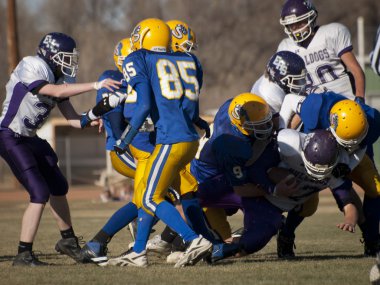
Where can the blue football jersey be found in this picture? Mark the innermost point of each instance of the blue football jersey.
(169, 84)
(113, 120)
(226, 151)
(315, 114)
(144, 141)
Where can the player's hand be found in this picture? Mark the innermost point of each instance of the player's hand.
(286, 187)
(85, 120)
(107, 83)
(341, 170)
(203, 125)
(346, 227)
(120, 147)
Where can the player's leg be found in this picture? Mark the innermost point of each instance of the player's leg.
(286, 235)
(191, 207)
(21, 160)
(367, 177)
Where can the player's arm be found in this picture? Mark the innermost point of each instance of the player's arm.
(289, 109)
(68, 90)
(353, 65)
(143, 107)
(68, 111)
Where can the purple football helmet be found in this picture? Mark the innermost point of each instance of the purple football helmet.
(295, 11)
(288, 70)
(320, 153)
(59, 51)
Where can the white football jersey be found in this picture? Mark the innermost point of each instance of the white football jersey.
(23, 112)
(290, 144)
(322, 58)
(270, 92)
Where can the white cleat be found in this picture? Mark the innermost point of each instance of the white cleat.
(197, 250)
(156, 244)
(130, 258)
(174, 257)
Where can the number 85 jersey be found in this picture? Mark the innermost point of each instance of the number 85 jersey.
(169, 83)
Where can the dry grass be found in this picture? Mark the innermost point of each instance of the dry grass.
(325, 255)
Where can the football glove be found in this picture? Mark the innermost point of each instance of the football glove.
(85, 120)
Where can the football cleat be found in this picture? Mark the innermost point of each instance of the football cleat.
(238, 233)
(130, 258)
(197, 249)
(174, 257)
(223, 250)
(371, 248)
(285, 246)
(156, 244)
(70, 247)
(94, 252)
(27, 258)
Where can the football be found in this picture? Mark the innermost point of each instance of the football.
(374, 275)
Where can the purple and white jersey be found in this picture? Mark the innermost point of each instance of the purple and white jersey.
(322, 58)
(24, 112)
(290, 144)
(270, 92)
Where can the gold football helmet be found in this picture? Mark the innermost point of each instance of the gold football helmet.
(183, 37)
(122, 50)
(151, 34)
(348, 123)
(251, 115)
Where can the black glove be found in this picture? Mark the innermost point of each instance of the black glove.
(203, 125)
(341, 170)
(359, 100)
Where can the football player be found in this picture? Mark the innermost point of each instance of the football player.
(375, 54)
(167, 87)
(326, 49)
(285, 73)
(36, 86)
(356, 127)
(309, 161)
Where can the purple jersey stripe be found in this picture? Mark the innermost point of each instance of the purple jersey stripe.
(19, 92)
(349, 48)
(36, 84)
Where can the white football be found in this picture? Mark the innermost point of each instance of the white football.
(374, 275)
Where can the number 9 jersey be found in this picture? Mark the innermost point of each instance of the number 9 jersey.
(169, 83)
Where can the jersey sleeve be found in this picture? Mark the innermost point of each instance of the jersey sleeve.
(340, 38)
(33, 74)
(289, 143)
(134, 69)
(375, 54)
(289, 108)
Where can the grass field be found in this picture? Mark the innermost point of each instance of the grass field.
(325, 255)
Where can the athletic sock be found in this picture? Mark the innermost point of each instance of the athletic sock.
(120, 219)
(171, 217)
(24, 246)
(69, 233)
(144, 226)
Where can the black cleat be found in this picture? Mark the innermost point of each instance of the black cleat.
(285, 246)
(94, 252)
(70, 247)
(371, 248)
(27, 258)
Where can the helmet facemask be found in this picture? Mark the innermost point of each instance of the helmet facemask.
(305, 31)
(67, 61)
(318, 171)
(295, 83)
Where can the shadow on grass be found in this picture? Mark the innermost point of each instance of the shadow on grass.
(273, 258)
